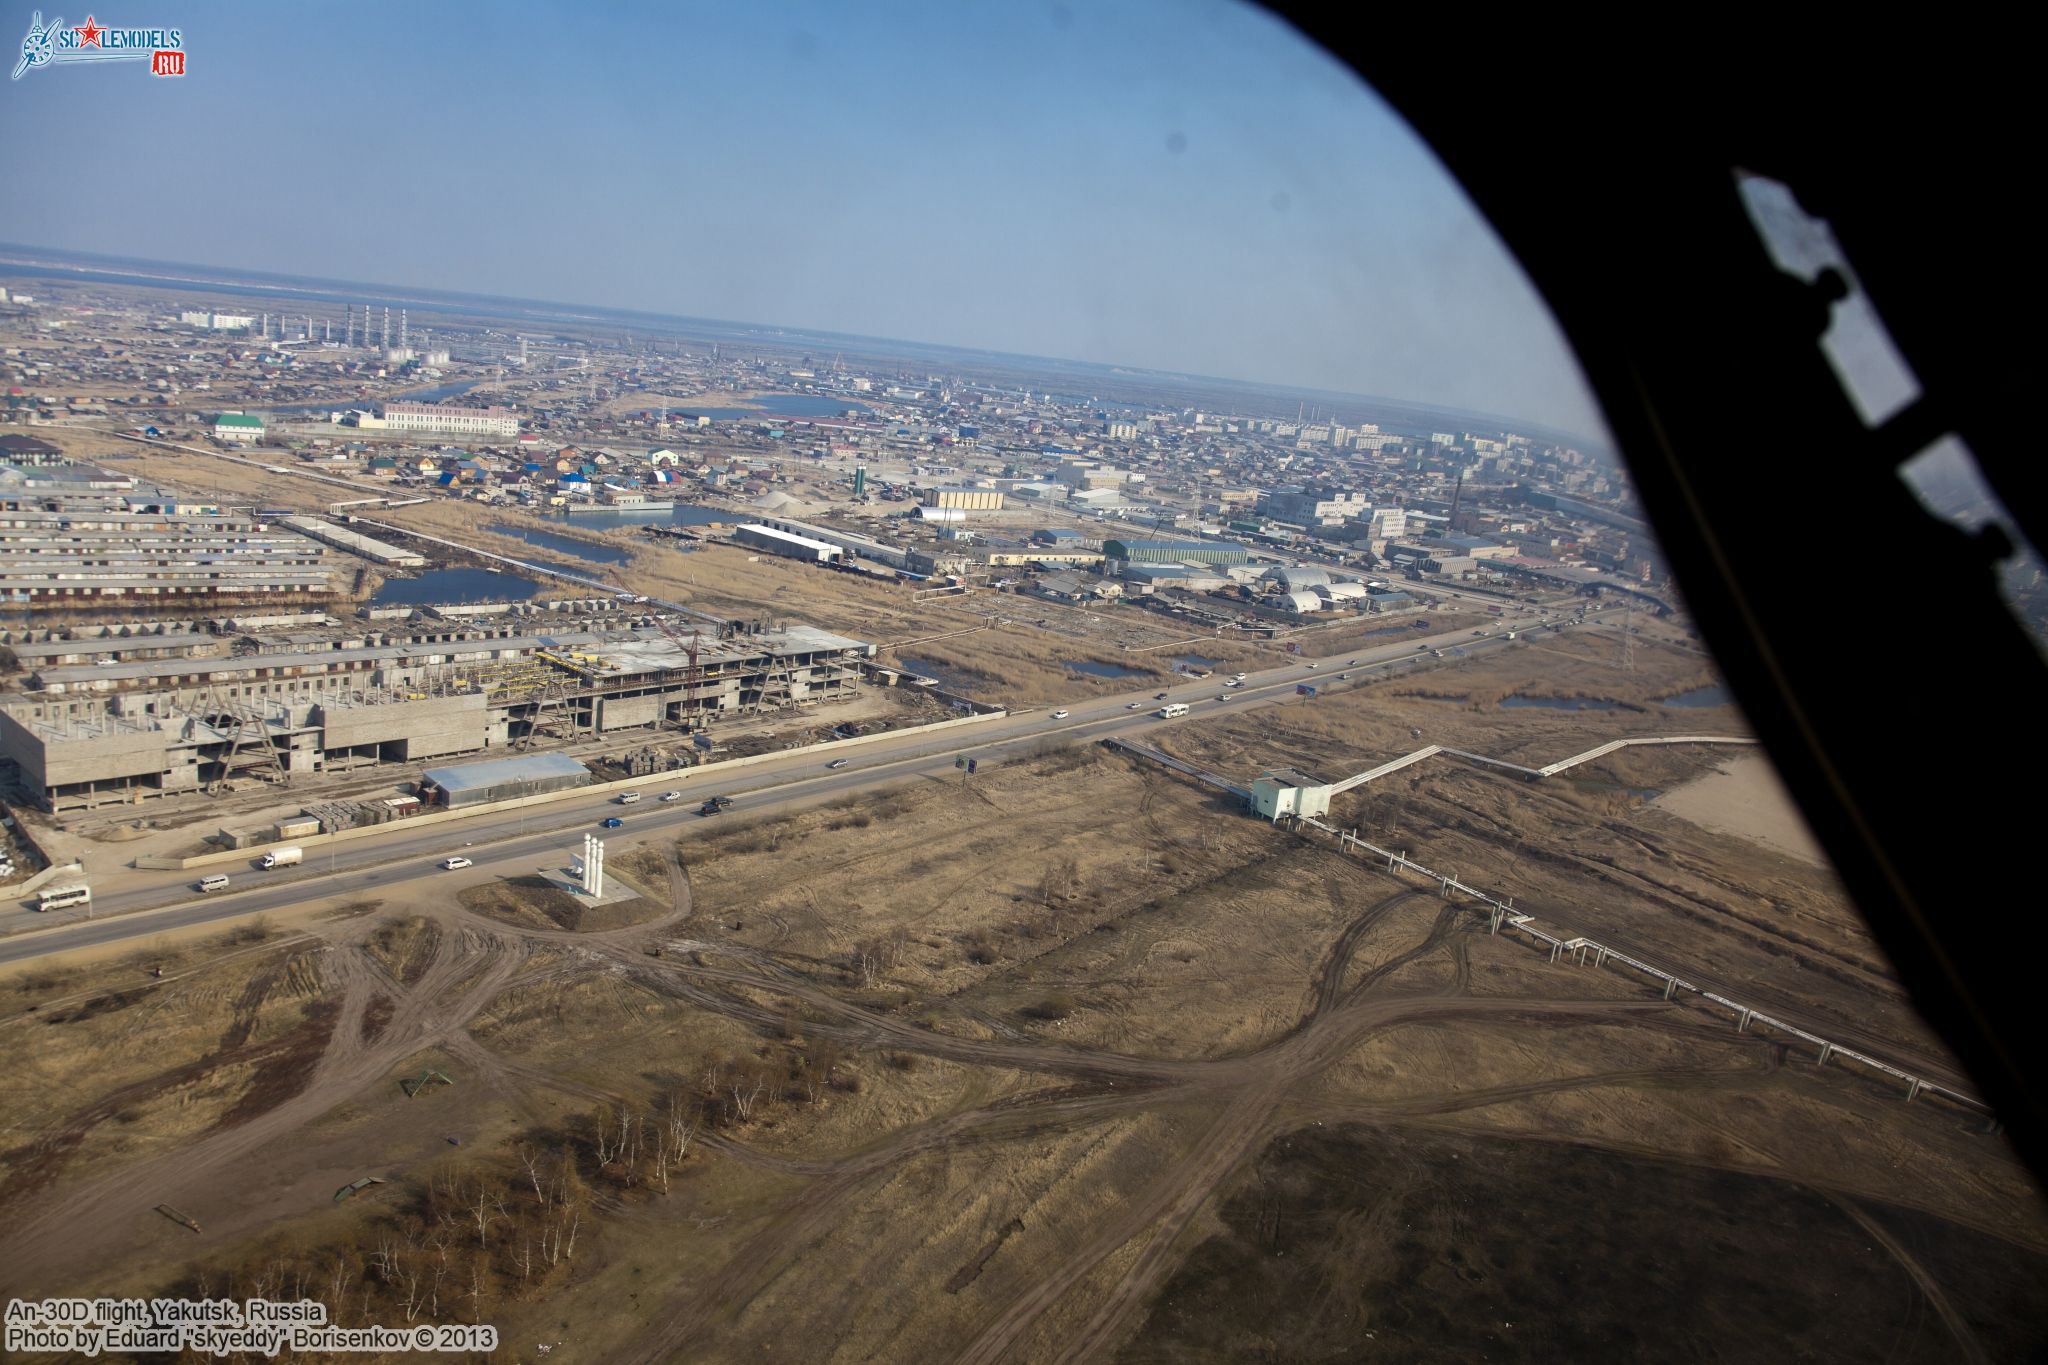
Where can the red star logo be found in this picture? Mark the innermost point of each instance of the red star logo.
(88, 33)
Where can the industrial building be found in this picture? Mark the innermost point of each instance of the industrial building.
(1297, 577)
(85, 555)
(501, 779)
(1211, 552)
(376, 551)
(272, 715)
(449, 420)
(99, 650)
(786, 544)
(895, 556)
(965, 499)
(1184, 577)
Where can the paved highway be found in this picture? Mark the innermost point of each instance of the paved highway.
(513, 842)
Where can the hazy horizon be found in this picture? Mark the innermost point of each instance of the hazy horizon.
(1192, 189)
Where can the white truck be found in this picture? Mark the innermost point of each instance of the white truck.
(282, 857)
(1172, 709)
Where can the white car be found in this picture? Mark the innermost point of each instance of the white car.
(1315, 665)
(1061, 714)
(451, 864)
(1131, 706)
(836, 763)
(671, 796)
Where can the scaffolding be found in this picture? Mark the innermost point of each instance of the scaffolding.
(242, 722)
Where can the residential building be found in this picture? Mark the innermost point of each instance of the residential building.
(447, 419)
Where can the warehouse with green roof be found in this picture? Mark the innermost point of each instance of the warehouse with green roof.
(237, 426)
(1211, 552)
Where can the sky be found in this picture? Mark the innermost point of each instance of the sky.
(1183, 185)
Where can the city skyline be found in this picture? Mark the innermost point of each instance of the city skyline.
(1191, 189)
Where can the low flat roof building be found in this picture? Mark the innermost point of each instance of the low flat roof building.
(501, 779)
(786, 544)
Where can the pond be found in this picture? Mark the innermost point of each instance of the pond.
(454, 586)
(1102, 670)
(948, 678)
(433, 395)
(585, 550)
(1562, 703)
(1714, 694)
(682, 514)
(440, 392)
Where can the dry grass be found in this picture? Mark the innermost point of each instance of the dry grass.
(111, 1063)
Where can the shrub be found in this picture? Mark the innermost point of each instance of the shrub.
(1053, 1007)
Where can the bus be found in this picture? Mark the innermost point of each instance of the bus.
(64, 897)
(1172, 709)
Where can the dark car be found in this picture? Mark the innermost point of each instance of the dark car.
(613, 822)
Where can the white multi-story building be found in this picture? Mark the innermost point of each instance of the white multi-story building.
(452, 421)
(218, 322)
(1314, 509)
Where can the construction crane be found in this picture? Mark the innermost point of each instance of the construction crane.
(693, 674)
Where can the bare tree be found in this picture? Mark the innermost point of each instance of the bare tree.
(531, 1160)
(338, 1277)
(482, 1208)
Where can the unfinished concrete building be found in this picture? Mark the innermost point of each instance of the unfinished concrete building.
(82, 740)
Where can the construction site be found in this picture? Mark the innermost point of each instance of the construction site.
(273, 709)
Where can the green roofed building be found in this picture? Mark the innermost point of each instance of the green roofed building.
(1211, 552)
(236, 426)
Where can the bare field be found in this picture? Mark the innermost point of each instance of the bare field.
(1744, 797)
(1074, 1060)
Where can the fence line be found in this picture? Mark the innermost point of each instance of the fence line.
(1502, 914)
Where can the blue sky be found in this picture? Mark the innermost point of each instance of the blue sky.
(1175, 184)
